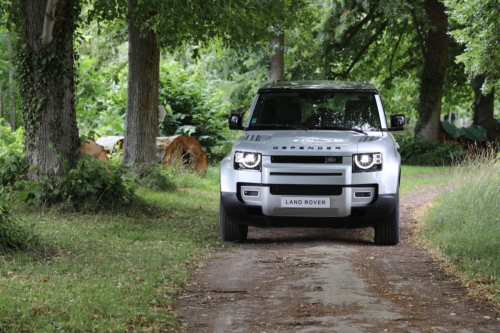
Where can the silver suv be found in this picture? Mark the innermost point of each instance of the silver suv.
(313, 154)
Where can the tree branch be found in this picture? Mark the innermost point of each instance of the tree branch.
(419, 33)
(396, 48)
(372, 39)
(49, 21)
(355, 29)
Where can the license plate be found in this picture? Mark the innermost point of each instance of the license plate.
(305, 202)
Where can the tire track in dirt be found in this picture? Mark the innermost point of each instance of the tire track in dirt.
(321, 280)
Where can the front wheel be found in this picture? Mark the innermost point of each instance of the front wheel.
(387, 233)
(231, 231)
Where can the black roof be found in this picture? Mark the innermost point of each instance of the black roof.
(327, 85)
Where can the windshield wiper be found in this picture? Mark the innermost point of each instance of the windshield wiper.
(340, 128)
(281, 126)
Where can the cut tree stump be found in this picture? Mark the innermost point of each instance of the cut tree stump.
(182, 151)
(90, 147)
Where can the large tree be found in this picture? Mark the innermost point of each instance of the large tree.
(170, 24)
(478, 31)
(434, 48)
(141, 122)
(388, 42)
(45, 75)
(483, 107)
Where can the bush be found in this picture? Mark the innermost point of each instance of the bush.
(88, 184)
(420, 152)
(12, 161)
(12, 167)
(14, 237)
(192, 108)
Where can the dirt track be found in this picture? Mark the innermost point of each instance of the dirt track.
(317, 280)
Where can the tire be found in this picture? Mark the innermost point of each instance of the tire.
(231, 231)
(387, 233)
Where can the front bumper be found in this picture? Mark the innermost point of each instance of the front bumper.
(358, 217)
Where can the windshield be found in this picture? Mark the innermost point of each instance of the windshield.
(316, 109)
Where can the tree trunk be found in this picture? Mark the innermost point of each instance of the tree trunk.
(277, 57)
(12, 105)
(432, 81)
(484, 112)
(141, 122)
(45, 75)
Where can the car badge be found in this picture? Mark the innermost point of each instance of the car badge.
(330, 159)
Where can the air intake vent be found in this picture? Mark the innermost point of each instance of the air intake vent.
(291, 189)
(369, 138)
(307, 159)
(257, 137)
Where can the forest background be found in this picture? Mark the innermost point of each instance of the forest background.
(88, 247)
(427, 58)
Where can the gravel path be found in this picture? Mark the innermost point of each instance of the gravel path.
(320, 280)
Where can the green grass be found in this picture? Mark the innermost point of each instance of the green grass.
(413, 177)
(465, 224)
(111, 272)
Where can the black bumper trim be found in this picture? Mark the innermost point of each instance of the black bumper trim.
(367, 216)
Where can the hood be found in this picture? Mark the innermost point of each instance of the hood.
(300, 142)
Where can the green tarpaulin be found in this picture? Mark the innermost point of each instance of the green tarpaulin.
(472, 133)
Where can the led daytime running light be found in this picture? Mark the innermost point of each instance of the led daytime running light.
(364, 161)
(249, 160)
(367, 161)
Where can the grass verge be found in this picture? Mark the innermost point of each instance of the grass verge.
(413, 177)
(463, 226)
(111, 272)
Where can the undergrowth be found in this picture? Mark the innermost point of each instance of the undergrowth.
(464, 224)
(420, 152)
(13, 235)
(111, 271)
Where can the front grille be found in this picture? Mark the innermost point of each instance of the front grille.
(307, 159)
(284, 189)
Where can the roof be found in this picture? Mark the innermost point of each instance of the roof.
(328, 85)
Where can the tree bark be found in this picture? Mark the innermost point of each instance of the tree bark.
(141, 121)
(484, 112)
(432, 80)
(277, 57)
(46, 84)
(12, 104)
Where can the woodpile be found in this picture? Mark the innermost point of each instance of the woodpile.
(180, 151)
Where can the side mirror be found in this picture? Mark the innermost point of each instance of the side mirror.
(235, 121)
(397, 122)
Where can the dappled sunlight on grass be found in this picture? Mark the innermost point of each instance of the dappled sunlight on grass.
(109, 271)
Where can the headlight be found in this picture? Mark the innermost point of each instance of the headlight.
(247, 161)
(367, 162)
